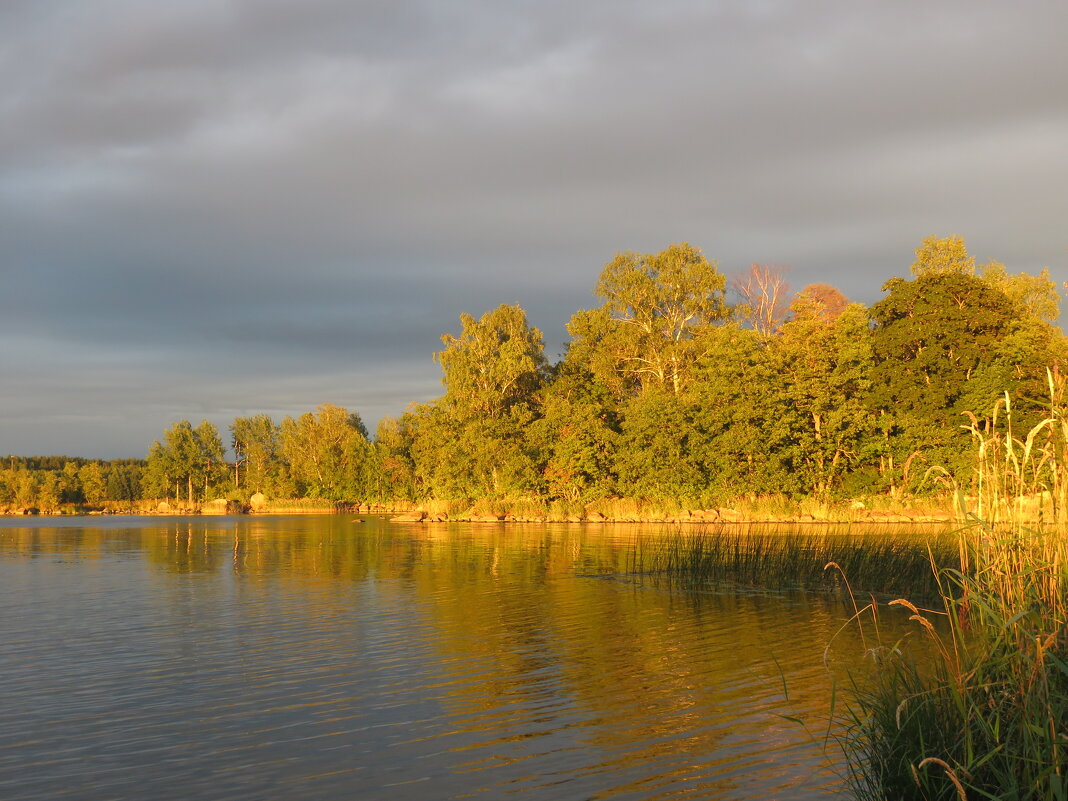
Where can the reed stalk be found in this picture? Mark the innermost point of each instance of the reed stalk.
(976, 707)
(781, 557)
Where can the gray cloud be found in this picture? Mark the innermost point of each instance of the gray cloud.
(265, 205)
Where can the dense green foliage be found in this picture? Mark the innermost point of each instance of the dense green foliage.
(47, 482)
(666, 393)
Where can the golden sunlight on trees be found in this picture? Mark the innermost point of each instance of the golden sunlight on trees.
(824, 363)
(187, 455)
(1036, 294)
(656, 307)
(764, 294)
(91, 477)
(468, 443)
(821, 301)
(660, 398)
(495, 362)
(256, 450)
(942, 255)
(324, 450)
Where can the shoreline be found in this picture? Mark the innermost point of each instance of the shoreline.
(1032, 509)
(691, 517)
(424, 517)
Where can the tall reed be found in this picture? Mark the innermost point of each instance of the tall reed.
(977, 706)
(780, 556)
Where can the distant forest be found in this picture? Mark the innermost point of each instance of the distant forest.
(667, 392)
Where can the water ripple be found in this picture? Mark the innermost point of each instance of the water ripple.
(300, 658)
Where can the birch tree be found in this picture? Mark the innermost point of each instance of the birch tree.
(655, 308)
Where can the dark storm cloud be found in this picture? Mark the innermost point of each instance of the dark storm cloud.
(217, 208)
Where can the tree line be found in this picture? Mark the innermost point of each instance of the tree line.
(50, 482)
(322, 454)
(668, 392)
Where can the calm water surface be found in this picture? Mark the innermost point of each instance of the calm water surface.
(323, 658)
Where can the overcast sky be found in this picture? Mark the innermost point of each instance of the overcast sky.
(212, 208)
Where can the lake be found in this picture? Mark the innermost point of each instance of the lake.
(321, 657)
